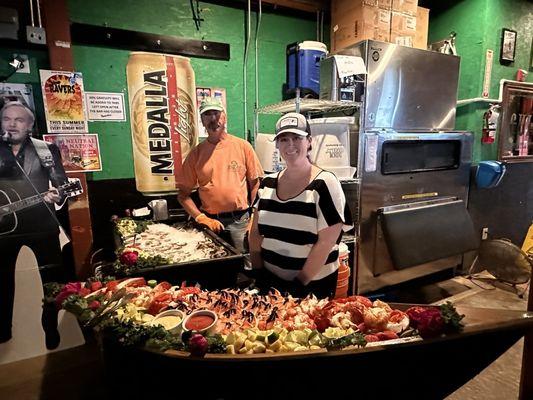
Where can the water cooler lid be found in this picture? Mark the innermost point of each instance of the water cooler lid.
(312, 45)
(489, 173)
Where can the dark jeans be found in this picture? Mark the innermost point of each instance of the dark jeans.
(321, 288)
(235, 228)
(48, 254)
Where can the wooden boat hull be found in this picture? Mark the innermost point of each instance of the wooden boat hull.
(428, 369)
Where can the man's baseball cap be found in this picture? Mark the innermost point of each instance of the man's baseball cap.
(210, 103)
(293, 123)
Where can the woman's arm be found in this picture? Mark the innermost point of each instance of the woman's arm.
(318, 255)
(255, 241)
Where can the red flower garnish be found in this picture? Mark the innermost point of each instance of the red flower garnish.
(129, 258)
(94, 305)
(68, 289)
(97, 285)
(427, 320)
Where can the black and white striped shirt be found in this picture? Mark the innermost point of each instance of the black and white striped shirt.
(290, 227)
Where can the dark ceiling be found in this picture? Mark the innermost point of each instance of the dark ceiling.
(437, 6)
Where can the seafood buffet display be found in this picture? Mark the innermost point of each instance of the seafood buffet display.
(145, 244)
(246, 322)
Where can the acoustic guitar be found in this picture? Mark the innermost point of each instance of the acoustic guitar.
(10, 203)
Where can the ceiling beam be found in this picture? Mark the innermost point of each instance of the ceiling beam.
(292, 8)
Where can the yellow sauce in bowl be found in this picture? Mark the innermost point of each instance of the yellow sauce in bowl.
(168, 321)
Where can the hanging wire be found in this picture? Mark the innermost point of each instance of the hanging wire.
(317, 25)
(200, 19)
(39, 14)
(256, 114)
(31, 13)
(196, 14)
(248, 29)
(322, 26)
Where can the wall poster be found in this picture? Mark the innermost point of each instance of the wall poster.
(103, 106)
(79, 152)
(64, 103)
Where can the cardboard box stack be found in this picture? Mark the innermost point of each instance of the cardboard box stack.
(392, 21)
(403, 22)
(422, 28)
(356, 20)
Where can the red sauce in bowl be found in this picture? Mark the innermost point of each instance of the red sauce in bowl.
(199, 322)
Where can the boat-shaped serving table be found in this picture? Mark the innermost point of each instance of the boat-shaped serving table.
(416, 369)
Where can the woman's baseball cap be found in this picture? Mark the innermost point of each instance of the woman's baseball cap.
(209, 103)
(293, 123)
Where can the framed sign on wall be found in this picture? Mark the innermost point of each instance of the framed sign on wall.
(508, 47)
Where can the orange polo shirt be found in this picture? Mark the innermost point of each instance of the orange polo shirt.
(221, 173)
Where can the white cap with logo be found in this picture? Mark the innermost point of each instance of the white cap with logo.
(292, 123)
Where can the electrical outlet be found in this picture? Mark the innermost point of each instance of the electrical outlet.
(484, 233)
(25, 62)
(34, 34)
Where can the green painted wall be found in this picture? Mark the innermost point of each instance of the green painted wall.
(105, 69)
(479, 24)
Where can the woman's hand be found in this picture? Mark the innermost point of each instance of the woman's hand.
(327, 238)
(255, 240)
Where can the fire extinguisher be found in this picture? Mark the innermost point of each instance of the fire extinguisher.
(490, 123)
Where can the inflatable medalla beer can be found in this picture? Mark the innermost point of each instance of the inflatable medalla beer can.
(162, 95)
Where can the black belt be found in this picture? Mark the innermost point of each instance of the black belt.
(230, 214)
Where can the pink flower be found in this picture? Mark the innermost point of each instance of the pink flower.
(427, 320)
(94, 305)
(432, 324)
(129, 257)
(68, 289)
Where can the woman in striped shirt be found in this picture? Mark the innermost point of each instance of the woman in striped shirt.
(299, 216)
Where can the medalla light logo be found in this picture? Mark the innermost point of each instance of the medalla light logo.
(159, 143)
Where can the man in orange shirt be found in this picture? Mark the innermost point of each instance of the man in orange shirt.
(226, 171)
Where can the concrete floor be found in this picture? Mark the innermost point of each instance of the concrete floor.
(501, 379)
(76, 373)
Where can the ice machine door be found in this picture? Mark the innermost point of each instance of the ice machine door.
(421, 232)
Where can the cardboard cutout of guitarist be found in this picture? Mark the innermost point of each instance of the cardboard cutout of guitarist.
(27, 167)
